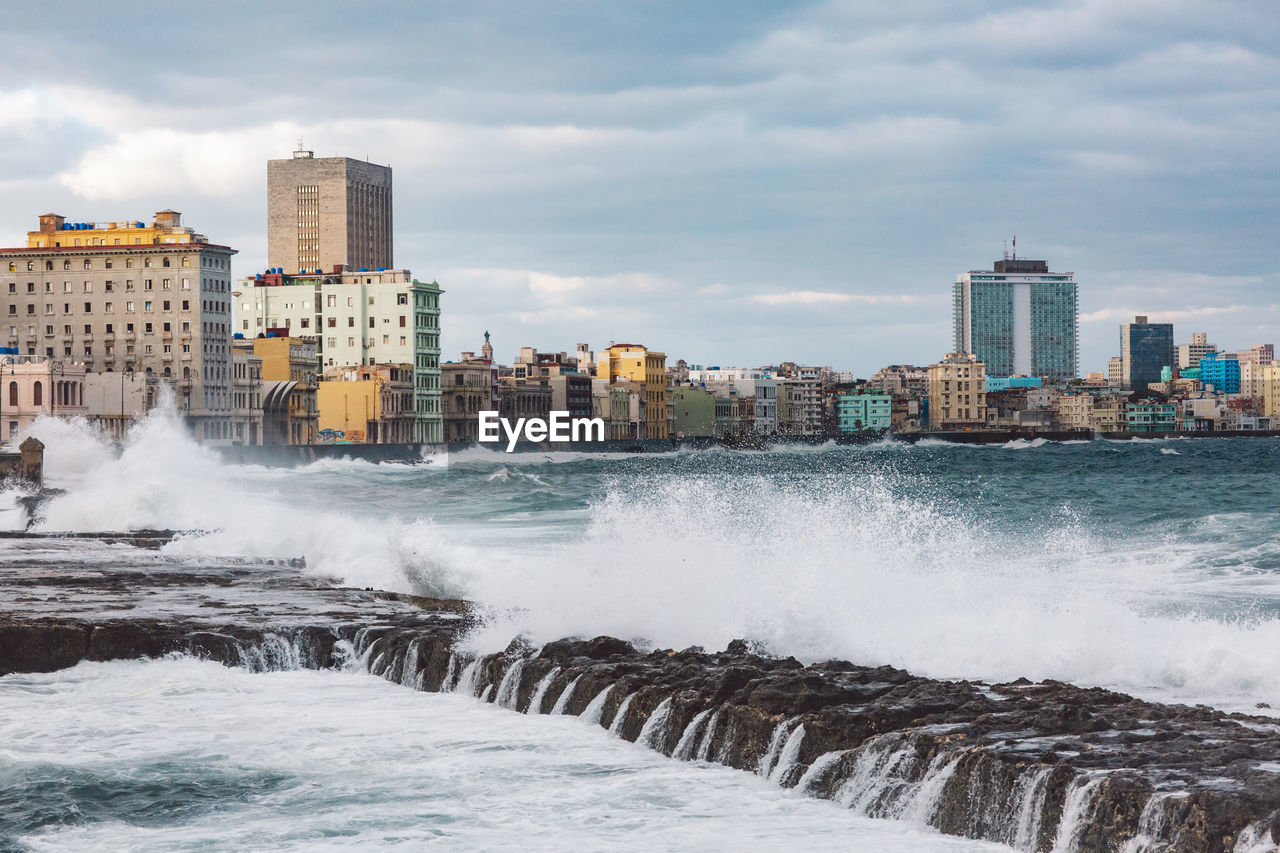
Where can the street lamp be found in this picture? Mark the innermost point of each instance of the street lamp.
(6, 361)
(128, 371)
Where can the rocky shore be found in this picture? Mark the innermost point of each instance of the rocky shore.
(1040, 767)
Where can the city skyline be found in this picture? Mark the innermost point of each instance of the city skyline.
(730, 185)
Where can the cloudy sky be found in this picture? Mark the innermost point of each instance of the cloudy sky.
(732, 182)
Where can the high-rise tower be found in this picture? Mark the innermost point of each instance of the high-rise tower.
(1020, 319)
(327, 212)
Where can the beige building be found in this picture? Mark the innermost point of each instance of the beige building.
(120, 296)
(246, 396)
(1075, 411)
(612, 404)
(470, 387)
(31, 386)
(1271, 391)
(957, 393)
(327, 212)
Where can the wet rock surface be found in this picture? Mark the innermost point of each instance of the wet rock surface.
(1041, 767)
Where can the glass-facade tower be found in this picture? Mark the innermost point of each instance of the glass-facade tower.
(1145, 350)
(1020, 319)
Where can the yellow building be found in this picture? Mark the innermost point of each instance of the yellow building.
(367, 405)
(634, 363)
(957, 393)
(1271, 391)
(289, 366)
(165, 229)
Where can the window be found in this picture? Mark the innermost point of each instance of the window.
(351, 342)
(186, 305)
(168, 327)
(128, 306)
(147, 305)
(186, 284)
(186, 262)
(186, 327)
(88, 308)
(331, 301)
(109, 329)
(108, 308)
(86, 263)
(110, 286)
(88, 287)
(88, 330)
(128, 262)
(306, 323)
(351, 322)
(351, 302)
(108, 263)
(31, 287)
(167, 304)
(402, 299)
(146, 285)
(31, 265)
(333, 342)
(147, 328)
(167, 284)
(371, 322)
(146, 262)
(165, 262)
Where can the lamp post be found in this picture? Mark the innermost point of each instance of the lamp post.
(127, 372)
(6, 361)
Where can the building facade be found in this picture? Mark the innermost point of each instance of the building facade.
(957, 393)
(470, 387)
(357, 319)
(635, 363)
(1019, 319)
(1189, 355)
(1145, 349)
(290, 414)
(865, 412)
(34, 385)
(326, 212)
(366, 405)
(1220, 373)
(121, 296)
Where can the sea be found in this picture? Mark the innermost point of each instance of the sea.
(1149, 567)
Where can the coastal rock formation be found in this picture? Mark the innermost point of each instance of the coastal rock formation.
(1040, 767)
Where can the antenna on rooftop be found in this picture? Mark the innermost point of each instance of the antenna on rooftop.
(1015, 247)
(1006, 250)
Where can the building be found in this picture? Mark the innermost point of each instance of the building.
(115, 401)
(121, 296)
(246, 396)
(1145, 348)
(612, 404)
(1271, 391)
(518, 400)
(635, 363)
(1220, 373)
(366, 405)
(470, 387)
(694, 412)
(1004, 383)
(957, 392)
(570, 392)
(1259, 354)
(1075, 411)
(357, 319)
(35, 385)
(799, 405)
(290, 414)
(1189, 355)
(1019, 319)
(327, 212)
(1146, 416)
(863, 412)
(902, 379)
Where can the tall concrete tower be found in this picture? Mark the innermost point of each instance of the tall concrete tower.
(325, 212)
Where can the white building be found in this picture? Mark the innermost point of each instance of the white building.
(358, 318)
(1189, 355)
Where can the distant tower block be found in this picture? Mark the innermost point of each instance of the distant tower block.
(328, 212)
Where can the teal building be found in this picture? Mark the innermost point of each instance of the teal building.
(863, 412)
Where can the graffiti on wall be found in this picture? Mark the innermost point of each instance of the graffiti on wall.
(337, 436)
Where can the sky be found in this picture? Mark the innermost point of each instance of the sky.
(733, 183)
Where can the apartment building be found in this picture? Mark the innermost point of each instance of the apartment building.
(957, 392)
(119, 296)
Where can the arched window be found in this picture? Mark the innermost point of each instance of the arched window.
(66, 265)
(37, 394)
(48, 265)
(31, 265)
(13, 393)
